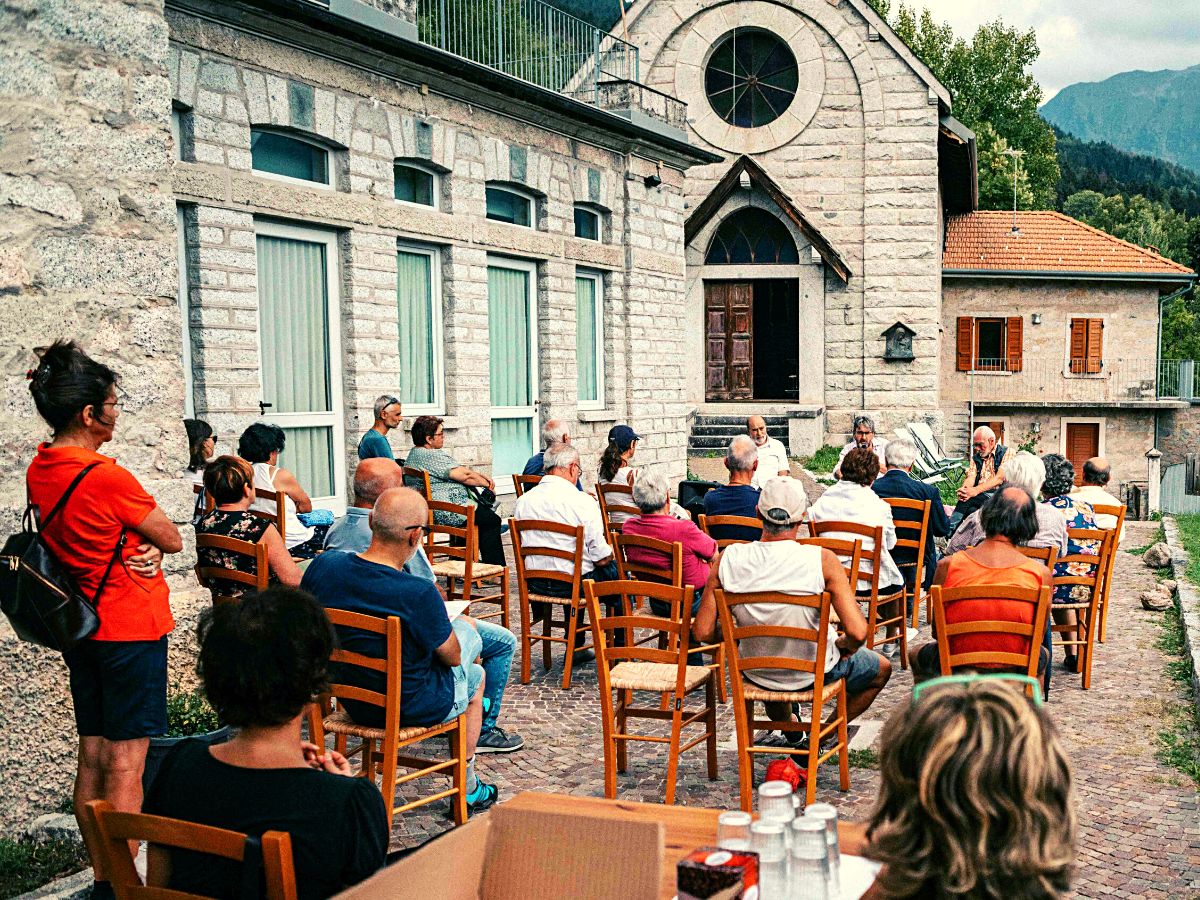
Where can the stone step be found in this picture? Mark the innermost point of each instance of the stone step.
(740, 421)
(775, 431)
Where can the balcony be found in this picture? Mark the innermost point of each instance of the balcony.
(1132, 383)
(542, 45)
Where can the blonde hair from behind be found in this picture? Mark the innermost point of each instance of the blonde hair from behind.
(976, 798)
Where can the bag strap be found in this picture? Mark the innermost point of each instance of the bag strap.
(250, 883)
(62, 501)
(108, 571)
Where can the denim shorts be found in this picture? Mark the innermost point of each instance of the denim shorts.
(469, 675)
(119, 688)
(859, 670)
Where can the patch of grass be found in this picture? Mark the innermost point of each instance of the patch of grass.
(864, 759)
(25, 865)
(1179, 741)
(1189, 534)
(824, 460)
(949, 487)
(1159, 535)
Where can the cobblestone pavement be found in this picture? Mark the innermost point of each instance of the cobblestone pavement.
(1139, 820)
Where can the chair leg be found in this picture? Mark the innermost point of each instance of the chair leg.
(610, 769)
(814, 750)
(844, 740)
(572, 625)
(719, 674)
(388, 765)
(547, 631)
(872, 624)
(916, 613)
(504, 598)
(460, 771)
(623, 701)
(710, 722)
(903, 633)
(673, 754)
(745, 737)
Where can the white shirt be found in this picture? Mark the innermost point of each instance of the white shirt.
(1093, 494)
(772, 459)
(789, 568)
(557, 500)
(850, 502)
(296, 533)
(878, 444)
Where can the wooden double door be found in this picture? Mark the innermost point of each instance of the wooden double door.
(752, 340)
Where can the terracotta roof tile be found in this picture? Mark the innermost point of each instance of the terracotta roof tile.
(1049, 242)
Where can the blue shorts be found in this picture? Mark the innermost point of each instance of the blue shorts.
(469, 675)
(859, 670)
(119, 688)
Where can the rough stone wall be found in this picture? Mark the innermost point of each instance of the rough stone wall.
(227, 81)
(87, 250)
(1178, 434)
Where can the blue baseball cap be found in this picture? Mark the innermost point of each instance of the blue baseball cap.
(623, 436)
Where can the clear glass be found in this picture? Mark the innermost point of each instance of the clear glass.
(769, 840)
(413, 185)
(733, 830)
(810, 860)
(775, 805)
(827, 813)
(288, 156)
(587, 224)
(509, 206)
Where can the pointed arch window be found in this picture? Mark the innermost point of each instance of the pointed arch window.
(752, 236)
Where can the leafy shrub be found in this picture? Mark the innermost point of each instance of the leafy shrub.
(26, 864)
(188, 713)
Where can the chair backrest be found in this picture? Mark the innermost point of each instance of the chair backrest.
(1105, 509)
(1108, 509)
(626, 620)
(706, 523)
(389, 665)
(848, 552)
(522, 483)
(616, 498)
(211, 576)
(734, 634)
(209, 503)
(279, 517)
(1039, 598)
(1046, 555)
(462, 541)
(911, 533)
(418, 479)
(115, 830)
(869, 555)
(1095, 565)
(671, 570)
(526, 546)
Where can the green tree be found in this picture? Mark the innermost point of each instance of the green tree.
(996, 169)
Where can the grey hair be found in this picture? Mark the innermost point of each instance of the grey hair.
(651, 491)
(985, 431)
(559, 456)
(1012, 513)
(1094, 474)
(553, 432)
(1060, 475)
(742, 454)
(863, 420)
(1023, 469)
(382, 402)
(900, 453)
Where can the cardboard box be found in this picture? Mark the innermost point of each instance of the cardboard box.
(518, 854)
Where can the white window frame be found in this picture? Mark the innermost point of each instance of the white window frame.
(507, 262)
(288, 179)
(428, 170)
(592, 210)
(336, 503)
(1064, 421)
(438, 407)
(185, 325)
(598, 279)
(528, 195)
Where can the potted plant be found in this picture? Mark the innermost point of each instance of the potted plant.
(188, 716)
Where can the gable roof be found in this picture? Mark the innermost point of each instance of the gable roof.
(759, 177)
(1051, 245)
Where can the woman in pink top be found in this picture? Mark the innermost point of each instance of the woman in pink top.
(652, 495)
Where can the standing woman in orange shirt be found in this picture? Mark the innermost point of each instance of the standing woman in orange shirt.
(111, 537)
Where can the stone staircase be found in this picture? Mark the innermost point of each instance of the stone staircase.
(712, 434)
(957, 440)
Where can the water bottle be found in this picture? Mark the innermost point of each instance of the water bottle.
(767, 840)
(810, 860)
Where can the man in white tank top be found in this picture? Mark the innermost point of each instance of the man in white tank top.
(777, 563)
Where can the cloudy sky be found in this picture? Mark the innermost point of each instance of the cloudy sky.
(1088, 40)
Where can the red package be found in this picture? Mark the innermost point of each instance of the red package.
(710, 873)
(786, 770)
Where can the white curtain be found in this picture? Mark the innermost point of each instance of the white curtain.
(585, 339)
(414, 302)
(511, 376)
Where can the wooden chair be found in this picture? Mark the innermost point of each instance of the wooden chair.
(631, 668)
(114, 830)
(746, 693)
(1102, 509)
(462, 564)
(673, 575)
(707, 523)
(574, 606)
(208, 504)
(616, 498)
(522, 483)
(950, 659)
(911, 535)
(277, 518)
(1087, 612)
(848, 552)
(1044, 555)
(417, 479)
(380, 747)
(212, 576)
(869, 581)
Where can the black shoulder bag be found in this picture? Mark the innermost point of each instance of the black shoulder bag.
(38, 594)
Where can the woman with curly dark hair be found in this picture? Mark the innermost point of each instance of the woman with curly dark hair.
(261, 662)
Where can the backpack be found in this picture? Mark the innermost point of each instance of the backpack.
(37, 593)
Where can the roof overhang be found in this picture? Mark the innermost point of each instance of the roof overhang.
(957, 165)
(370, 42)
(1167, 279)
(759, 177)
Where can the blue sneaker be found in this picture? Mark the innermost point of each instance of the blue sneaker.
(483, 797)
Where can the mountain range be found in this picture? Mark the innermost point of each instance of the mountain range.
(1143, 112)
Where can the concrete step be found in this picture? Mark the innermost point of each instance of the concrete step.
(713, 433)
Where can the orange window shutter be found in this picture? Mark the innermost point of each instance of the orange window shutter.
(962, 356)
(1014, 338)
(1095, 346)
(1078, 345)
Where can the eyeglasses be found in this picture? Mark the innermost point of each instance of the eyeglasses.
(425, 529)
(1025, 681)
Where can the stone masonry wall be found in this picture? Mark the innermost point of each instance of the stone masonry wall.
(1178, 434)
(87, 251)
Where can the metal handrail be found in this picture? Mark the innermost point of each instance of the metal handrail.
(1053, 378)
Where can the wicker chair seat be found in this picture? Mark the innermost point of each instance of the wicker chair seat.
(339, 722)
(546, 598)
(646, 676)
(751, 692)
(457, 568)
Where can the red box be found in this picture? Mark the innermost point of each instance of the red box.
(710, 873)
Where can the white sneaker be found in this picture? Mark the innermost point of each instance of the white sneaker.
(891, 650)
(912, 634)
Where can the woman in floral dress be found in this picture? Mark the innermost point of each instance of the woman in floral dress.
(1060, 479)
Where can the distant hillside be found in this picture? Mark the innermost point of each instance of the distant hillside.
(1099, 166)
(1143, 112)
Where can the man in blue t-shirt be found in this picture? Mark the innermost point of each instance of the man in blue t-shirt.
(387, 416)
(739, 497)
(439, 679)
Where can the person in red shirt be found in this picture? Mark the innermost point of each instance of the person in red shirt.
(651, 493)
(111, 537)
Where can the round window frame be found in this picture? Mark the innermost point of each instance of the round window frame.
(731, 35)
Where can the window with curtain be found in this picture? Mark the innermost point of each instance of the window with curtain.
(414, 184)
(507, 205)
(589, 340)
(418, 307)
(511, 369)
(279, 154)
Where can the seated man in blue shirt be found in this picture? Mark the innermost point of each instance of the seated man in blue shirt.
(439, 679)
(553, 432)
(387, 416)
(352, 534)
(739, 497)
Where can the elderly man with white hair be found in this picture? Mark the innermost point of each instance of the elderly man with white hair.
(1025, 470)
(897, 483)
(740, 496)
(553, 432)
(985, 473)
(772, 455)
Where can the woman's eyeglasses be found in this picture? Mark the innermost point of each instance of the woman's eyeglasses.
(1031, 685)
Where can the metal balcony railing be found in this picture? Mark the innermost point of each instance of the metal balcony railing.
(1126, 381)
